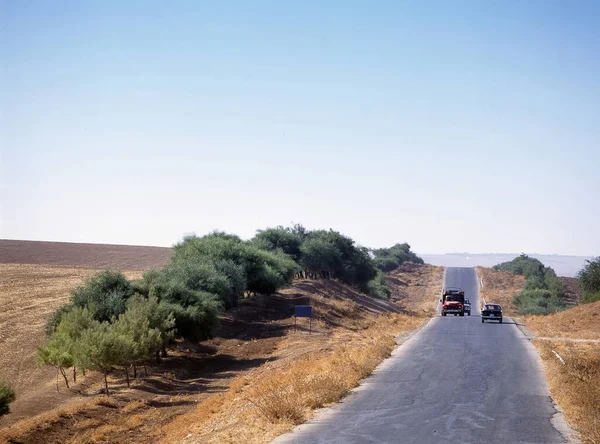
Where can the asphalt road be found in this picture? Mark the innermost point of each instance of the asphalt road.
(455, 381)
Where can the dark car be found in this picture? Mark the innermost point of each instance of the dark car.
(491, 312)
(467, 307)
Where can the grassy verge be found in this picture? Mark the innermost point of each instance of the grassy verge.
(575, 385)
(270, 401)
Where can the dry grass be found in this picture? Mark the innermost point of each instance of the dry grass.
(132, 406)
(416, 288)
(271, 400)
(576, 384)
(499, 287)
(580, 322)
(43, 421)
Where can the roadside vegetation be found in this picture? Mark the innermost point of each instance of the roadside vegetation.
(589, 281)
(571, 355)
(115, 323)
(575, 385)
(543, 292)
(7, 395)
(212, 389)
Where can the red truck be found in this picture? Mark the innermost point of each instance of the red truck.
(453, 301)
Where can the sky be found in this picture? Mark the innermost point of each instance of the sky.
(455, 126)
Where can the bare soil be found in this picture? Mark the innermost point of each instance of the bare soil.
(98, 256)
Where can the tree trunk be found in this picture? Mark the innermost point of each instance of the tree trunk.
(157, 357)
(163, 351)
(135, 372)
(106, 384)
(146, 371)
(127, 376)
(83, 371)
(64, 374)
(74, 375)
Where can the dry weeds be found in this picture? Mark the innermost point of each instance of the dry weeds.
(271, 400)
(499, 287)
(580, 322)
(416, 287)
(576, 384)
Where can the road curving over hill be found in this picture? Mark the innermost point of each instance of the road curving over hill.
(455, 381)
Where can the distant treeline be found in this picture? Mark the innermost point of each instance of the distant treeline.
(543, 292)
(111, 321)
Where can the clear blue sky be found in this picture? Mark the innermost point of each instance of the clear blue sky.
(452, 125)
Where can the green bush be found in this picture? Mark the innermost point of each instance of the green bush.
(279, 239)
(7, 395)
(105, 294)
(264, 271)
(388, 259)
(543, 292)
(378, 287)
(537, 302)
(589, 281)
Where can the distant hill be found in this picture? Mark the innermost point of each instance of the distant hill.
(563, 265)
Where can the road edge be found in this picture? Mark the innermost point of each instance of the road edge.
(324, 412)
(558, 420)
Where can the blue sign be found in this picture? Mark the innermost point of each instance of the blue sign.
(303, 311)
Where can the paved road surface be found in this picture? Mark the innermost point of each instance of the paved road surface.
(455, 381)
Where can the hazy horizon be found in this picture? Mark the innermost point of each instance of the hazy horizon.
(453, 126)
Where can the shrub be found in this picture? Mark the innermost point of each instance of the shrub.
(537, 302)
(264, 271)
(377, 287)
(7, 395)
(543, 292)
(105, 295)
(279, 239)
(388, 259)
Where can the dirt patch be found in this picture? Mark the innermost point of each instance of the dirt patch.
(98, 256)
(499, 287)
(572, 291)
(575, 384)
(416, 288)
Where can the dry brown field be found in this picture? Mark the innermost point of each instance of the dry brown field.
(97, 256)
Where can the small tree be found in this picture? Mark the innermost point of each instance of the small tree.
(7, 395)
(60, 350)
(102, 347)
(148, 326)
(57, 354)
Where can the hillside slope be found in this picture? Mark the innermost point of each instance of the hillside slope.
(579, 322)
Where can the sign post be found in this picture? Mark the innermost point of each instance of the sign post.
(303, 311)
